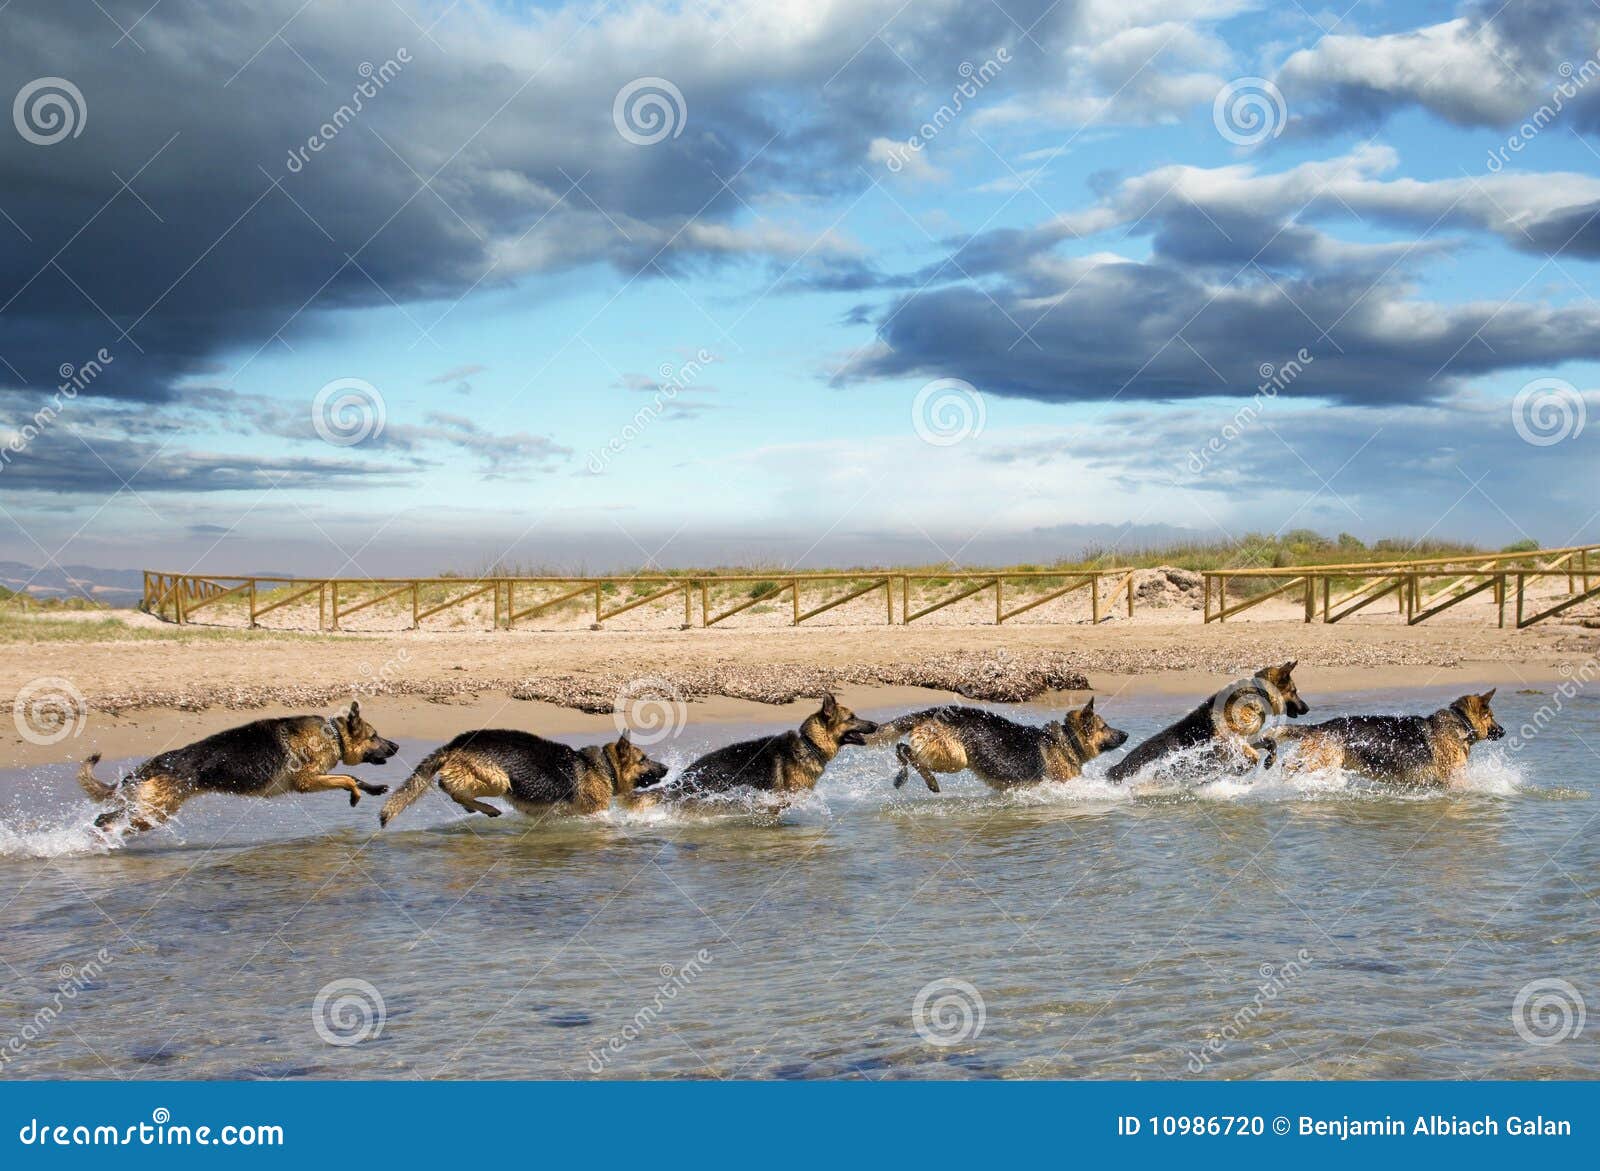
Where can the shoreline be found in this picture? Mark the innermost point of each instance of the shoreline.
(146, 730)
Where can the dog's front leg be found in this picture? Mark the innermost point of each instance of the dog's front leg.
(321, 782)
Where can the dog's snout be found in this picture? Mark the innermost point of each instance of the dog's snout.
(1496, 732)
(1298, 707)
(1118, 738)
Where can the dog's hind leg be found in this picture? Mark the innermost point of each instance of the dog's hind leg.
(908, 756)
(464, 784)
(145, 805)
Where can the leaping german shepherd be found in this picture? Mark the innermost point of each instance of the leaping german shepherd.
(259, 759)
(790, 762)
(534, 774)
(1228, 722)
(1000, 752)
(1402, 750)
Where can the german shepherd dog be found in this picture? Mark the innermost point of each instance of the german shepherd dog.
(1228, 721)
(534, 774)
(260, 759)
(790, 762)
(1402, 750)
(1000, 752)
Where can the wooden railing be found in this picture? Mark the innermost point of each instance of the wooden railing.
(1338, 591)
(178, 596)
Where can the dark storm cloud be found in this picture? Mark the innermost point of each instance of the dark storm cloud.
(1240, 275)
(487, 152)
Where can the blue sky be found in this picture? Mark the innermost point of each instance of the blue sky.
(1090, 261)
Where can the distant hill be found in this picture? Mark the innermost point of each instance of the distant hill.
(110, 587)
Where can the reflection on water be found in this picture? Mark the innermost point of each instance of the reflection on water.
(1321, 927)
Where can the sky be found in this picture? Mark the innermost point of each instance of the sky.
(379, 287)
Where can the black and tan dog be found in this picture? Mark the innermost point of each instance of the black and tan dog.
(536, 775)
(790, 762)
(1227, 722)
(260, 759)
(1000, 752)
(1402, 750)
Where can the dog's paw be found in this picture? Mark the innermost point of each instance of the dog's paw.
(355, 798)
(900, 778)
(492, 811)
(373, 790)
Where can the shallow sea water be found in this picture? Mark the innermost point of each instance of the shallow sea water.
(1320, 928)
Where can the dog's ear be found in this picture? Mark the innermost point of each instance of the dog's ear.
(830, 705)
(626, 737)
(355, 712)
(1289, 666)
(1487, 696)
(1088, 708)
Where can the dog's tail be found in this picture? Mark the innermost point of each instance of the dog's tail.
(891, 730)
(97, 789)
(416, 785)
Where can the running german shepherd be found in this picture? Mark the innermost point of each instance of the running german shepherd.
(534, 774)
(260, 759)
(1228, 721)
(1000, 752)
(1402, 750)
(790, 762)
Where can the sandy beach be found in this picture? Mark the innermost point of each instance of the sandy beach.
(139, 696)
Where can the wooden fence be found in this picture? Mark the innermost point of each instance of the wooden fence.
(1338, 591)
(178, 596)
